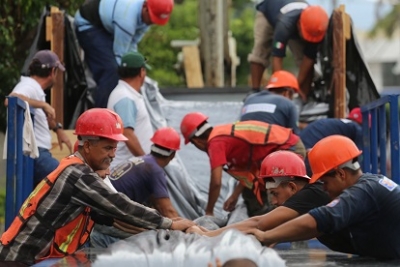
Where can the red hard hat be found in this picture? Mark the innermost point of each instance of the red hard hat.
(283, 164)
(160, 10)
(167, 137)
(282, 78)
(329, 153)
(100, 122)
(313, 23)
(190, 123)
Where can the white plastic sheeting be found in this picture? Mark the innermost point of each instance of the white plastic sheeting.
(175, 248)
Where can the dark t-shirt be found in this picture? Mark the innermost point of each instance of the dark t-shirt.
(270, 108)
(370, 210)
(283, 16)
(139, 179)
(309, 197)
(313, 196)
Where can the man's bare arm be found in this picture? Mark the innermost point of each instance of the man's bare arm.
(164, 206)
(214, 190)
(133, 143)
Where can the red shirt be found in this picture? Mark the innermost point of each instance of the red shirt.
(236, 152)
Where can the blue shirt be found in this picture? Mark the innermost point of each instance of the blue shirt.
(270, 108)
(123, 20)
(283, 16)
(322, 128)
(370, 210)
(140, 179)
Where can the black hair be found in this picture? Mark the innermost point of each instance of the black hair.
(36, 69)
(124, 72)
(281, 90)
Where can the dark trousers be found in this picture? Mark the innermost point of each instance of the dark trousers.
(97, 44)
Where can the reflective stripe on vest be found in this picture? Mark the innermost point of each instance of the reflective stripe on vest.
(254, 132)
(68, 238)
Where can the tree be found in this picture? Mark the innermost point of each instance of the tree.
(389, 23)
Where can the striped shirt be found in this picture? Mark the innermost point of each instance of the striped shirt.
(76, 188)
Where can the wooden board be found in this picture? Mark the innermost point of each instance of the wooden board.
(55, 150)
(192, 65)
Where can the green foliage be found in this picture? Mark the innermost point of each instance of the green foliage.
(156, 43)
(387, 24)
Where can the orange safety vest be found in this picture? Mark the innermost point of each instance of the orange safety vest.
(69, 237)
(254, 133)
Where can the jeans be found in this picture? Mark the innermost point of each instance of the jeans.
(97, 44)
(102, 235)
(43, 165)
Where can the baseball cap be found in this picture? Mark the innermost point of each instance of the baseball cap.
(134, 60)
(160, 10)
(355, 115)
(48, 59)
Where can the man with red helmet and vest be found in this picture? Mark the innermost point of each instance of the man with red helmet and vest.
(274, 104)
(54, 220)
(280, 23)
(108, 29)
(238, 148)
(143, 180)
(366, 206)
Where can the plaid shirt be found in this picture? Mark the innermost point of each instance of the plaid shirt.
(76, 188)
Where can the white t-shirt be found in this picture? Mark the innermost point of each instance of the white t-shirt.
(29, 87)
(130, 106)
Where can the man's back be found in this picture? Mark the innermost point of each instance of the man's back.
(319, 129)
(140, 179)
(270, 108)
(272, 9)
(370, 211)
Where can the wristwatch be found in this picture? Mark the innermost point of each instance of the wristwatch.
(58, 126)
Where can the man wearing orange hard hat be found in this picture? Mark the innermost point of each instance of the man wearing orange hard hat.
(367, 206)
(281, 23)
(108, 29)
(274, 105)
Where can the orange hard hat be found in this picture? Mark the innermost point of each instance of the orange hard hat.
(160, 10)
(167, 137)
(329, 153)
(282, 78)
(190, 123)
(313, 23)
(100, 122)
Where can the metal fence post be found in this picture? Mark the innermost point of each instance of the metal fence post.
(19, 174)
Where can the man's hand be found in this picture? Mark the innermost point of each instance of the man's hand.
(230, 203)
(50, 111)
(63, 138)
(181, 225)
(260, 235)
(194, 229)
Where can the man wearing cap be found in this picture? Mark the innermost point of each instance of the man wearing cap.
(43, 70)
(317, 130)
(143, 180)
(366, 206)
(108, 29)
(287, 22)
(127, 101)
(274, 105)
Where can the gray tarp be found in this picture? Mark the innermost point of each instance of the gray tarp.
(188, 189)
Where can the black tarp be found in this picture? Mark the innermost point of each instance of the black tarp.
(76, 92)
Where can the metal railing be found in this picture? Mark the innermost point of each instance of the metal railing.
(19, 175)
(375, 136)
